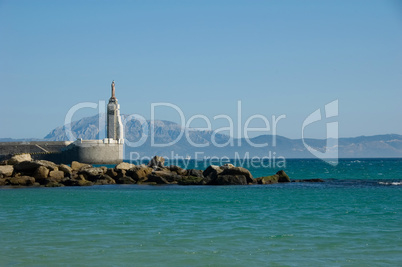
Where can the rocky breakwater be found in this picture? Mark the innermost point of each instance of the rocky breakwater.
(21, 170)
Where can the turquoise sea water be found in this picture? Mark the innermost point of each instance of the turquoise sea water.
(352, 219)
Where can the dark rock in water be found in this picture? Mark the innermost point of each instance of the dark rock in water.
(279, 177)
(21, 181)
(104, 179)
(84, 183)
(157, 161)
(111, 172)
(139, 173)
(273, 179)
(50, 182)
(177, 170)
(53, 179)
(229, 180)
(49, 174)
(227, 175)
(54, 184)
(166, 174)
(238, 171)
(146, 183)
(191, 180)
(30, 167)
(77, 180)
(120, 173)
(158, 178)
(194, 172)
(212, 171)
(92, 174)
(27, 167)
(283, 177)
(317, 180)
(125, 180)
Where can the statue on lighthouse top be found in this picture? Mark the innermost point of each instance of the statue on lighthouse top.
(113, 91)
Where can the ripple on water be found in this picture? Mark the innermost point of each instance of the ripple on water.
(339, 222)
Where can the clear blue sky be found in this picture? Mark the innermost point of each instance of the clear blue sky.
(277, 57)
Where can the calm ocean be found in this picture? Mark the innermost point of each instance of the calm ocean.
(354, 218)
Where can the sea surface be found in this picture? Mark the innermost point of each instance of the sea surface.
(354, 218)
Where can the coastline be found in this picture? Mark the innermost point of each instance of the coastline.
(22, 170)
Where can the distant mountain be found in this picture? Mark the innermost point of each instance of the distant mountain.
(20, 139)
(165, 132)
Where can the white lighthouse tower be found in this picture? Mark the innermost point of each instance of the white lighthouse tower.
(105, 151)
(114, 124)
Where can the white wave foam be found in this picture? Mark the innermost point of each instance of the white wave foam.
(391, 183)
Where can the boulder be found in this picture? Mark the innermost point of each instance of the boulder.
(157, 177)
(104, 179)
(146, 183)
(6, 170)
(80, 177)
(157, 161)
(52, 181)
(92, 174)
(227, 174)
(27, 167)
(273, 179)
(139, 173)
(76, 166)
(125, 180)
(77, 180)
(83, 183)
(48, 164)
(177, 170)
(229, 180)
(93, 171)
(3, 181)
(53, 184)
(124, 166)
(279, 177)
(283, 177)
(212, 171)
(79, 183)
(191, 180)
(238, 171)
(19, 158)
(120, 173)
(56, 175)
(111, 172)
(166, 175)
(66, 169)
(194, 172)
(21, 181)
(41, 173)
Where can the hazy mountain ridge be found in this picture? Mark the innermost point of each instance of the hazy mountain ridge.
(165, 132)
